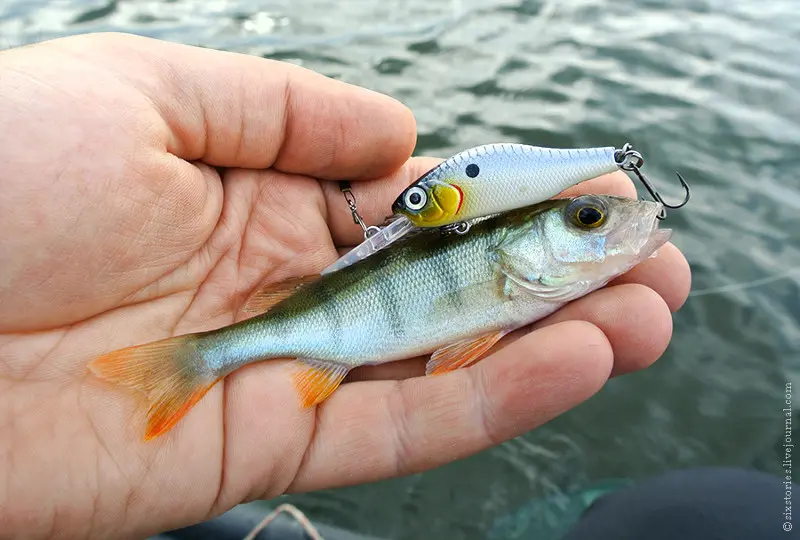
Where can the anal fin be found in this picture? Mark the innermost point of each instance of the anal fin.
(462, 353)
(316, 380)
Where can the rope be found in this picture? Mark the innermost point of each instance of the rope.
(301, 518)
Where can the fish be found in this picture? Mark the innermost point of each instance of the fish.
(479, 182)
(448, 295)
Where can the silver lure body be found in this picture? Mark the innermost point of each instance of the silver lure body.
(506, 176)
(512, 175)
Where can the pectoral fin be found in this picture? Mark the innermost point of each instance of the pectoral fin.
(461, 353)
(316, 380)
(265, 297)
(494, 290)
(553, 288)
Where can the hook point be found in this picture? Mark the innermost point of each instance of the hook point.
(686, 197)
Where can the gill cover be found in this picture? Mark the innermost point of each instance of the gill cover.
(576, 245)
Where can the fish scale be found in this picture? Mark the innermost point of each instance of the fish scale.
(417, 282)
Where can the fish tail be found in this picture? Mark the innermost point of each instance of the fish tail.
(171, 373)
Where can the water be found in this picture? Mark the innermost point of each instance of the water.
(706, 86)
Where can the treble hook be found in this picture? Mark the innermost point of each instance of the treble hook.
(629, 159)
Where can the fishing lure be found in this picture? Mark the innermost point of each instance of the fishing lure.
(491, 179)
(453, 296)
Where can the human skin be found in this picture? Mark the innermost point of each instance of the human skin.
(146, 189)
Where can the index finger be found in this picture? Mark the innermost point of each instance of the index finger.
(369, 431)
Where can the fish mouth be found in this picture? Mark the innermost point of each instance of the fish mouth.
(657, 236)
(641, 231)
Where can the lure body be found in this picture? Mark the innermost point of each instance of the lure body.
(451, 295)
(497, 178)
(482, 181)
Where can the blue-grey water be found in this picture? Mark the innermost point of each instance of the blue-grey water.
(710, 87)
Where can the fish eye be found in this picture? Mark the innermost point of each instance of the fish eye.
(588, 213)
(472, 170)
(590, 216)
(415, 198)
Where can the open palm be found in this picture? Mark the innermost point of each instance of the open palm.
(147, 189)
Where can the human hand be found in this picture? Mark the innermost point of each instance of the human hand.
(147, 189)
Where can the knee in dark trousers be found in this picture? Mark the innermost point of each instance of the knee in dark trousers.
(693, 504)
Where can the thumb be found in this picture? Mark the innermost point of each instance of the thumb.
(238, 110)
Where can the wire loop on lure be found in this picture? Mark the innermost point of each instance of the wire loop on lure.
(461, 227)
(629, 159)
(351, 202)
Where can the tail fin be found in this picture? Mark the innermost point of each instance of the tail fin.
(170, 372)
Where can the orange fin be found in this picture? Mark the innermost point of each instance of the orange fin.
(461, 353)
(170, 372)
(317, 379)
(265, 297)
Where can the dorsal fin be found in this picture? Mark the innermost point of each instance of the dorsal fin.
(267, 296)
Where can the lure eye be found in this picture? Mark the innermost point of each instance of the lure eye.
(415, 198)
(587, 214)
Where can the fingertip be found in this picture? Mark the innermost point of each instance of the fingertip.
(616, 183)
(680, 282)
(644, 341)
(668, 274)
(339, 131)
(575, 347)
(634, 319)
(400, 138)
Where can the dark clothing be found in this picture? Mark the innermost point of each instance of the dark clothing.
(693, 504)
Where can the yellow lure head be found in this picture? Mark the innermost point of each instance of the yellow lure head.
(430, 202)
